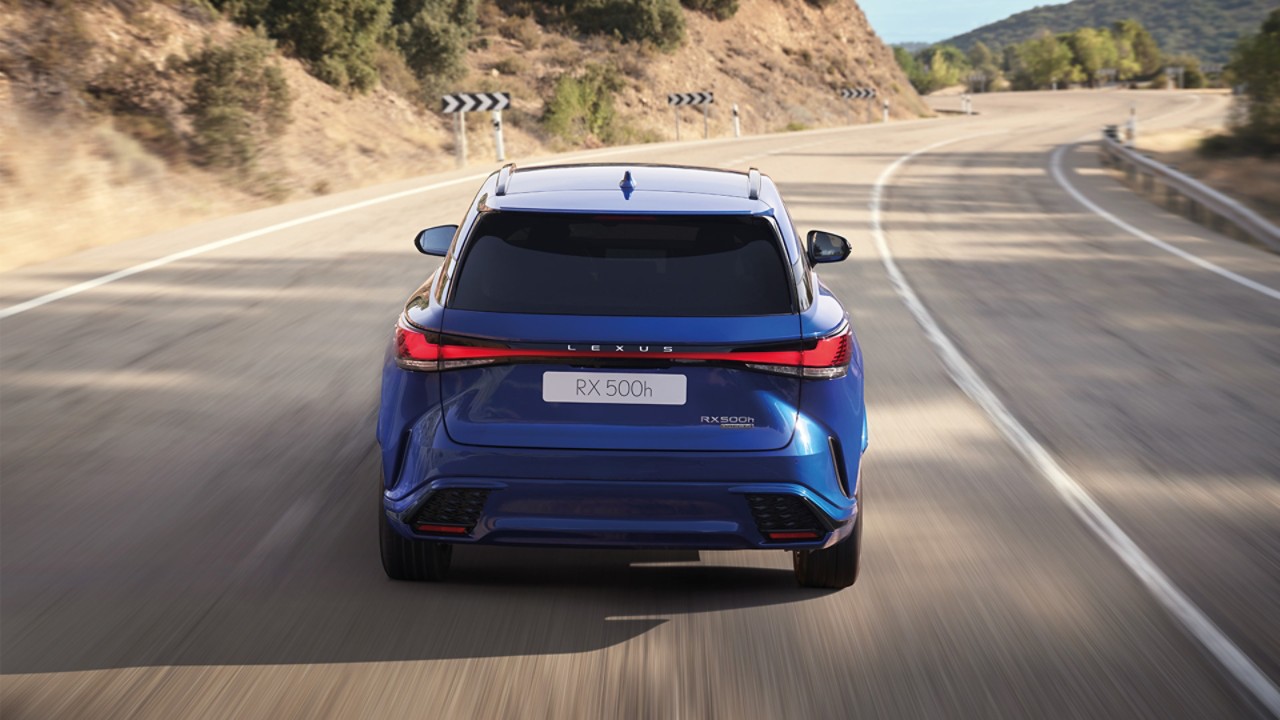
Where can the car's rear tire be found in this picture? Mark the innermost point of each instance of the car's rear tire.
(834, 567)
(415, 560)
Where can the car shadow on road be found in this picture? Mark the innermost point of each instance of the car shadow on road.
(329, 602)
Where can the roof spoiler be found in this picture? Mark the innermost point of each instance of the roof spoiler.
(753, 178)
(504, 179)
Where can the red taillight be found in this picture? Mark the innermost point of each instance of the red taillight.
(828, 358)
(830, 352)
(441, 529)
(412, 345)
(802, 535)
(415, 351)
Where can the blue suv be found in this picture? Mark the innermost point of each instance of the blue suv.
(624, 356)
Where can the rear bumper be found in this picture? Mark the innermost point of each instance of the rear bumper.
(632, 499)
(674, 514)
(625, 498)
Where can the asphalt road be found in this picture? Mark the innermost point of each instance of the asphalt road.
(187, 468)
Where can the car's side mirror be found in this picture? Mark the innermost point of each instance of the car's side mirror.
(825, 247)
(435, 241)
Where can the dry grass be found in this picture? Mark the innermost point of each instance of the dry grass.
(1252, 180)
(67, 190)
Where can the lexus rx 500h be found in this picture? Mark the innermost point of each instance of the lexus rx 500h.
(624, 356)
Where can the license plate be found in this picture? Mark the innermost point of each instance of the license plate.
(613, 388)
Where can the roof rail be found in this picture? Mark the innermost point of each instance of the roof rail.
(504, 179)
(753, 177)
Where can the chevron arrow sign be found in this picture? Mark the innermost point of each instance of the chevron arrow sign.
(857, 93)
(694, 98)
(474, 102)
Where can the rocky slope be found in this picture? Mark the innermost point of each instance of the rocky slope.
(95, 141)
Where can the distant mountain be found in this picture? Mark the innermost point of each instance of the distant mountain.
(1207, 29)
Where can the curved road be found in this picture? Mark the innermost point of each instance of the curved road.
(187, 467)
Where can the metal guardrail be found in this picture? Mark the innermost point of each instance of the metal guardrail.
(1183, 193)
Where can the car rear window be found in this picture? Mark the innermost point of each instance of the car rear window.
(560, 264)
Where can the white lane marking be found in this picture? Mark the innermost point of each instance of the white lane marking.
(1055, 170)
(1077, 498)
(218, 244)
(225, 242)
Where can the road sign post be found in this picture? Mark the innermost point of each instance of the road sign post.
(497, 136)
(737, 124)
(705, 99)
(462, 103)
(460, 138)
(885, 117)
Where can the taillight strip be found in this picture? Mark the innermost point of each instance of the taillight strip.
(416, 352)
(464, 352)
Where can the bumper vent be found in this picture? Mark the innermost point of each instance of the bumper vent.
(785, 517)
(451, 511)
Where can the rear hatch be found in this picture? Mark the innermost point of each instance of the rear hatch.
(621, 333)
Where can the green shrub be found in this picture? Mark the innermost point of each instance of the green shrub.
(125, 89)
(523, 30)
(983, 60)
(510, 65)
(718, 9)
(239, 101)
(581, 107)
(660, 22)
(1192, 76)
(1093, 50)
(338, 39)
(912, 68)
(1140, 55)
(433, 36)
(1045, 60)
(395, 74)
(1255, 63)
(934, 67)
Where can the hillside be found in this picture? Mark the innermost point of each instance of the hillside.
(105, 135)
(1206, 29)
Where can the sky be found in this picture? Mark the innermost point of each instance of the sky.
(899, 21)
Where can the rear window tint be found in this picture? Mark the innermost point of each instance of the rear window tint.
(707, 266)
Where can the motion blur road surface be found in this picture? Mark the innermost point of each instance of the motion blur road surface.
(187, 498)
